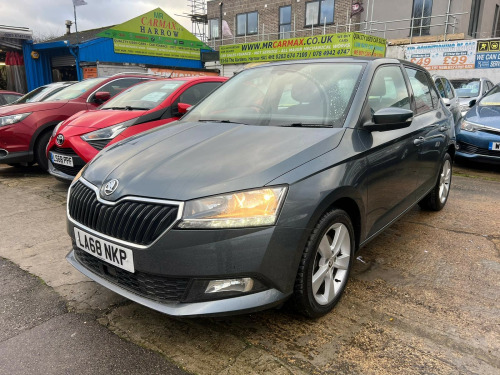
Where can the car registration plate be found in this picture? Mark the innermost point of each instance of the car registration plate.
(495, 146)
(62, 159)
(116, 255)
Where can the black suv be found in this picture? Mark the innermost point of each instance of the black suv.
(265, 190)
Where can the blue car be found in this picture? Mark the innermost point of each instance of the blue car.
(478, 134)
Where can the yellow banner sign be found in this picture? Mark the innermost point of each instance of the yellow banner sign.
(319, 46)
(151, 49)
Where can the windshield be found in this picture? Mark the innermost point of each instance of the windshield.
(77, 89)
(492, 98)
(313, 94)
(39, 94)
(144, 96)
(467, 88)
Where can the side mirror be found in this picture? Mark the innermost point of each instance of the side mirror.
(101, 97)
(472, 103)
(391, 118)
(183, 108)
(446, 101)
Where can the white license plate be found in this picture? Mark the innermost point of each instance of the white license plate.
(109, 252)
(62, 159)
(495, 146)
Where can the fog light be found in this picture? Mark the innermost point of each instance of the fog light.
(230, 285)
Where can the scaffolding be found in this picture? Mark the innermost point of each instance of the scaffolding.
(199, 18)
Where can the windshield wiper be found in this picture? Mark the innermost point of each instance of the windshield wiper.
(305, 125)
(128, 108)
(223, 121)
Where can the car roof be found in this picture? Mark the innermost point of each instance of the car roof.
(10, 92)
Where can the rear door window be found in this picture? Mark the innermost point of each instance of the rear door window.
(118, 85)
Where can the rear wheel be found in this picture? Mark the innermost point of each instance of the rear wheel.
(438, 196)
(40, 148)
(325, 265)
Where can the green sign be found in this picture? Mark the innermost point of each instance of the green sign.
(311, 47)
(155, 34)
(133, 47)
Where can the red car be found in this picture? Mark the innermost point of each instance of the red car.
(77, 140)
(25, 129)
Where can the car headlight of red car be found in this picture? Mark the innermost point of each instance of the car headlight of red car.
(13, 119)
(107, 133)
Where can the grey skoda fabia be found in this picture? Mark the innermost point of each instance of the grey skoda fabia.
(265, 190)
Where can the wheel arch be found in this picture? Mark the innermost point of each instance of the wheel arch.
(49, 126)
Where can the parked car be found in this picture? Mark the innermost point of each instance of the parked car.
(265, 190)
(25, 129)
(470, 89)
(7, 97)
(142, 107)
(43, 92)
(478, 134)
(449, 96)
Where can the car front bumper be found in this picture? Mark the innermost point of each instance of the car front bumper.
(475, 146)
(236, 305)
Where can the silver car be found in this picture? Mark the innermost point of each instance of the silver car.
(469, 89)
(449, 96)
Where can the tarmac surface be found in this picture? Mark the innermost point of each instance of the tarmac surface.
(423, 298)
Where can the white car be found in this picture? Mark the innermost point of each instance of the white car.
(449, 96)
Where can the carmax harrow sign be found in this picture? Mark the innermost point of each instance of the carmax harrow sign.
(311, 47)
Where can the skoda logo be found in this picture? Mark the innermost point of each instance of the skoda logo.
(110, 187)
(60, 139)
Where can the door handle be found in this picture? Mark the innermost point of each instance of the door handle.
(443, 128)
(418, 141)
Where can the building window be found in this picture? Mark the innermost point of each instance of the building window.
(422, 11)
(474, 17)
(496, 25)
(213, 28)
(285, 22)
(320, 12)
(247, 23)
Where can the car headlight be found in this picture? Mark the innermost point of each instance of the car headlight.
(12, 119)
(470, 126)
(250, 208)
(107, 133)
(54, 132)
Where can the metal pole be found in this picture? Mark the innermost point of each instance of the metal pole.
(76, 26)
(447, 20)
(371, 20)
(324, 26)
(366, 15)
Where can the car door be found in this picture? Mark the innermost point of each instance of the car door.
(431, 123)
(454, 101)
(391, 173)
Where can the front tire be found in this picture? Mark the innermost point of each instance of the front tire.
(438, 196)
(39, 151)
(325, 265)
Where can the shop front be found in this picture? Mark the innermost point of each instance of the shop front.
(150, 41)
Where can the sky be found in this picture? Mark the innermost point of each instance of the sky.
(46, 17)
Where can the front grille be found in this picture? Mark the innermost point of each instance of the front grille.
(154, 287)
(136, 222)
(471, 149)
(99, 145)
(77, 161)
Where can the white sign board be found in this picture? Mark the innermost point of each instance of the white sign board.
(443, 55)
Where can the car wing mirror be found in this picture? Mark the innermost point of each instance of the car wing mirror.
(183, 108)
(389, 119)
(472, 103)
(101, 97)
(446, 101)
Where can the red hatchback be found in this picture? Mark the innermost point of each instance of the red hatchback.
(25, 129)
(78, 139)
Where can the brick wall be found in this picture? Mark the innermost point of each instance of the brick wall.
(268, 11)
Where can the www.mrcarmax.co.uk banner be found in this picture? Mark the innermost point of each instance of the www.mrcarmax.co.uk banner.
(311, 47)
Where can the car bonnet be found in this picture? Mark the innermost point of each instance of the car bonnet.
(183, 161)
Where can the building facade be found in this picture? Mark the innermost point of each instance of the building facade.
(241, 21)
